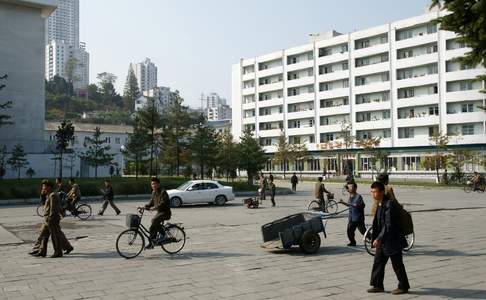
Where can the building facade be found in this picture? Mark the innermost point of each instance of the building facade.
(63, 46)
(397, 81)
(216, 107)
(146, 74)
(162, 96)
(22, 26)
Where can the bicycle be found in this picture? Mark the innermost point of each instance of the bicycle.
(367, 239)
(331, 206)
(131, 242)
(471, 187)
(81, 210)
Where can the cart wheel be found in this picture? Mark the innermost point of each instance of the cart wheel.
(310, 242)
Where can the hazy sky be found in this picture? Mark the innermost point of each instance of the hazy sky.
(195, 42)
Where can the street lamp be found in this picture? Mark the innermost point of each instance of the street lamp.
(122, 150)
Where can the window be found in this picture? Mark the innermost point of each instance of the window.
(210, 186)
(405, 133)
(433, 110)
(433, 130)
(280, 109)
(345, 66)
(312, 140)
(465, 85)
(386, 133)
(467, 129)
(467, 108)
(117, 140)
(311, 122)
(344, 48)
(385, 114)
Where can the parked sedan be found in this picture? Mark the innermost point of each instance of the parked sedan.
(200, 191)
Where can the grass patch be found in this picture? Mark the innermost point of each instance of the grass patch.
(29, 188)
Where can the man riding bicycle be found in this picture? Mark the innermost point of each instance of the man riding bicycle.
(319, 191)
(477, 180)
(73, 196)
(161, 203)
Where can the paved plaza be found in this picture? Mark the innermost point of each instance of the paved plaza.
(223, 258)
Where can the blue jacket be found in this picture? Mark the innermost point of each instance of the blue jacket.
(356, 208)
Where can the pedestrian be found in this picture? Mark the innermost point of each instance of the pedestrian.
(270, 177)
(108, 196)
(324, 174)
(50, 226)
(385, 180)
(356, 217)
(294, 180)
(388, 241)
(272, 188)
(263, 185)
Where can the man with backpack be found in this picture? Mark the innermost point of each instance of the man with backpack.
(388, 239)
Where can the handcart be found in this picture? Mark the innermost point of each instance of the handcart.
(299, 229)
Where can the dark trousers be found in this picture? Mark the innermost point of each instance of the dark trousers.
(294, 187)
(105, 205)
(157, 224)
(378, 272)
(52, 229)
(272, 198)
(352, 229)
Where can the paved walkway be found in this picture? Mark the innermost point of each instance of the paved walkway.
(223, 258)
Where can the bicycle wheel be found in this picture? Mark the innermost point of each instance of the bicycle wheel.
(314, 206)
(410, 240)
(130, 243)
(368, 241)
(468, 188)
(175, 239)
(83, 211)
(40, 210)
(332, 206)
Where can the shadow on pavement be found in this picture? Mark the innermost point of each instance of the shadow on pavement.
(104, 255)
(451, 293)
(416, 251)
(199, 254)
(324, 250)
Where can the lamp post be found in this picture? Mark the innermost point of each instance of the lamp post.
(122, 150)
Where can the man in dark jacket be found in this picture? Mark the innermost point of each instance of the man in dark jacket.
(161, 203)
(389, 242)
(294, 180)
(108, 195)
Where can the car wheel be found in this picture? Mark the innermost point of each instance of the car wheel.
(220, 200)
(176, 202)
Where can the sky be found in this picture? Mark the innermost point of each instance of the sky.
(194, 43)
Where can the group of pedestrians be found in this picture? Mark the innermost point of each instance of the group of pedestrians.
(56, 202)
(265, 185)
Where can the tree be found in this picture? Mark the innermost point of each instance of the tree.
(4, 119)
(97, 153)
(17, 160)
(71, 160)
(107, 89)
(203, 147)
(3, 156)
(69, 71)
(252, 156)
(346, 141)
(131, 91)
(298, 152)
(440, 142)
(227, 156)
(369, 146)
(283, 155)
(151, 121)
(64, 136)
(467, 18)
(136, 147)
(30, 172)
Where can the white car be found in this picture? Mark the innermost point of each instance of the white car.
(200, 191)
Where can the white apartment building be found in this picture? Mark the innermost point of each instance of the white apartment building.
(397, 81)
(63, 23)
(216, 107)
(146, 74)
(58, 53)
(62, 44)
(162, 96)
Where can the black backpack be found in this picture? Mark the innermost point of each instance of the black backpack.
(406, 222)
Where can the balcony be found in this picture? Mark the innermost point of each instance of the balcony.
(450, 54)
(301, 114)
(270, 149)
(372, 87)
(299, 82)
(463, 95)
(371, 50)
(270, 118)
(418, 101)
(417, 80)
(330, 128)
(300, 98)
(419, 120)
(247, 106)
(372, 69)
(419, 60)
(335, 110)
(270, 87)
(463, 74)
(271, 102)
(335, 57)
(248, 76)
(300, 131)
(270, 72)
(418, 140)
(249, 120)
(337, 75)
(335, 93)
(416, 41)
(372, 106)
(300, 65)
(248, 91)
(459, 118)
(468, 139)
(269, 133)
(374, 124)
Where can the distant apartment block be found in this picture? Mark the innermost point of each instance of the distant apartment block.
(146, 74)
(216, 107)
